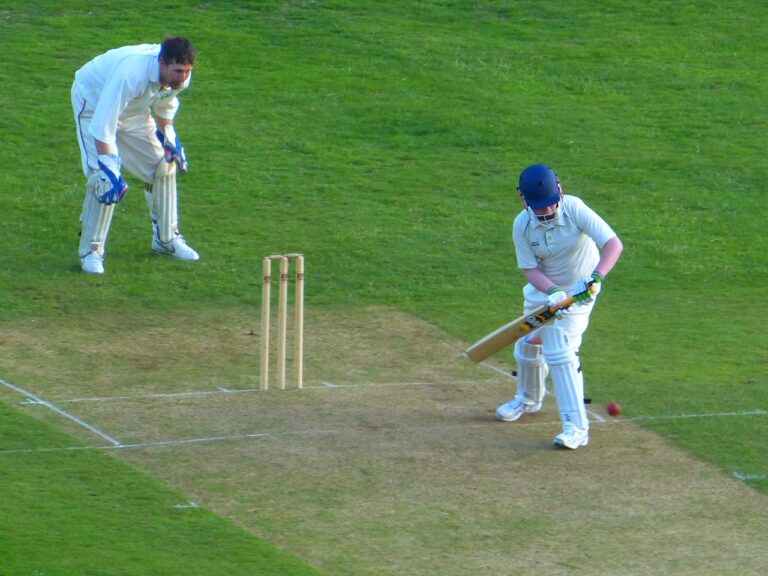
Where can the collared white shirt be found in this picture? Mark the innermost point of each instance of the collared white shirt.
(123, 84)
(566, 250)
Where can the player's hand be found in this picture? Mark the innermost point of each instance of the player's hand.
(555, 297)
(174, 151)
(108, 182)
(586, 290)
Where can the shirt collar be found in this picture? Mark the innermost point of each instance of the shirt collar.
(154, 73)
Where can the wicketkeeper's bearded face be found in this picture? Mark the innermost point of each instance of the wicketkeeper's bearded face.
(177, 56)
(173, 74)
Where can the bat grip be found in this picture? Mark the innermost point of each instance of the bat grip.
(571, 299)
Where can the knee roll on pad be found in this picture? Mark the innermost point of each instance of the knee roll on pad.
(557, 345)
(530, 354)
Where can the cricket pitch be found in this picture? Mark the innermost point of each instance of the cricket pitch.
(390, 461)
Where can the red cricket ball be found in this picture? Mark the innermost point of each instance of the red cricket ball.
(613, 408)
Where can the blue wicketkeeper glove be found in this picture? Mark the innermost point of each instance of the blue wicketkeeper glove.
(110, 187)
(174, 151)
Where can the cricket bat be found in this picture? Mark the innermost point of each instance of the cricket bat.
(513, 331)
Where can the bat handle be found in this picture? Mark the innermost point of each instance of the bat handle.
(570, 300)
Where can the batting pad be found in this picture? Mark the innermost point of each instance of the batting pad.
(567, 379)
(161, 199)
(531, 372)
(95, 220)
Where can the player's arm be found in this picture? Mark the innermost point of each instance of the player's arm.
(556, 295)
(174, 151)
(104, 148)
(120, 88)
(586, 290)
(609, 256)
(610, 250)
(594, 226)
(539, 280)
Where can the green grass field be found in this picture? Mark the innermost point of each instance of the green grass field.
(383, 140)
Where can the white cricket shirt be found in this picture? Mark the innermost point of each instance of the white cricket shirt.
(566, 250)
(124, 84)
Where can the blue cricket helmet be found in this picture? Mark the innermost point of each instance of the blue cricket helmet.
(539, 186)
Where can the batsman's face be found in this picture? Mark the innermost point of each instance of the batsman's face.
(546, 211)
(548, 214)
(174, 75)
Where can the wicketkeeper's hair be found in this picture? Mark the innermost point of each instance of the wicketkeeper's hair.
(178, 50)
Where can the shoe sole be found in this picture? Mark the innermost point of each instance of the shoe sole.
(175, 255)
(560, 444)
(506, 419)
(95, 272)
(503, 419)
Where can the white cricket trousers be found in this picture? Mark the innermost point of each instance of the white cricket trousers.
(560, 343)
(575, 323)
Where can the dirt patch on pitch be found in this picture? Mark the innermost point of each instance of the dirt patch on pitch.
(390, 461)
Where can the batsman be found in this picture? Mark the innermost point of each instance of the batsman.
(124, 102)
(564, 249)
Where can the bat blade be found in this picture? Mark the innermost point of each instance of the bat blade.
(519, 327)
(509, 333)
(513, 331)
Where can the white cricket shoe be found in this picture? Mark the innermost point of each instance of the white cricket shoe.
(177, 248)
(92, 263)
(571, 437)
(512, 410)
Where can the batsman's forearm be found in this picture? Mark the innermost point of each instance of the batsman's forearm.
(609, 256)
(538, 279)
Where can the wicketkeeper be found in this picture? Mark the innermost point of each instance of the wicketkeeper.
(563, 247)
(124, 103)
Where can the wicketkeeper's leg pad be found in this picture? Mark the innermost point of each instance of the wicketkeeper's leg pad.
(567, 379)
(161, 200)
(95, 220)
(531, 372)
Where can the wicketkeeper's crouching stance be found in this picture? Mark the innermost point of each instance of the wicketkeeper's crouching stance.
(564, 249)
(124, 103)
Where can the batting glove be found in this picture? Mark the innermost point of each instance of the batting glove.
(555, 297)
(174, 151)
(585, 291)
(110, 187)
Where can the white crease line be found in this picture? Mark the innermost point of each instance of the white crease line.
(330, 385)
(31, 398)
(156, 395)
(232, 437)
(595, 417)
(756, 412)
(219, 390)
(182, 442)
(495, 368)
(748, 477)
